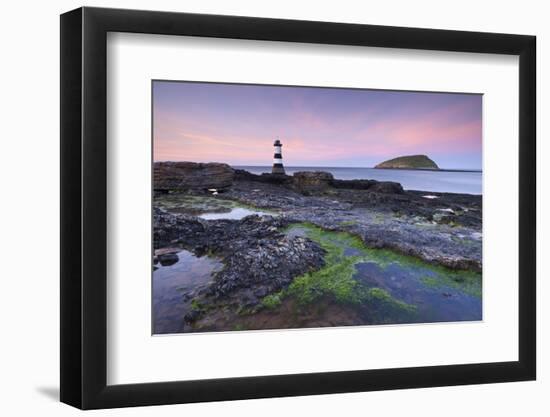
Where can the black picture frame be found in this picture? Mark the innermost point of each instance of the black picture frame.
(84, 207)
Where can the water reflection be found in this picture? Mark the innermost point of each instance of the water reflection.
(434, 303)
(172, 283)
(437, 294)
(236, 213)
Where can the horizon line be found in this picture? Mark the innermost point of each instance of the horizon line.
(329, 166)
(356, 167)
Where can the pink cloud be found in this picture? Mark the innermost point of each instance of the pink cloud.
(308, 136)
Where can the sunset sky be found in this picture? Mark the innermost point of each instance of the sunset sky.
(323, 127)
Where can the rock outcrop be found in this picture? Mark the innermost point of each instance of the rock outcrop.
(409, 162)
(308, 181)
(407, 223)
(268, 178)
(185, 176)
(318, 182)
(258, 259)
(386, 187)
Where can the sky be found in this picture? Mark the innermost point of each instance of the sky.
(324, 127)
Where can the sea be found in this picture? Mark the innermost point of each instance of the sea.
(444, 181)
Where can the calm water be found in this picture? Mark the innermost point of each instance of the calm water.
(438, 181)
(436, 298)
(171, 283)
(236, 213)
(439, 303)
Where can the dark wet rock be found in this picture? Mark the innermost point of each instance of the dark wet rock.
(431, 244)
(268, 178)
(308, 181)
(258, 259)
(317, 182)
(266, 267)
(387, 187)
(406, 204)
(353, 184)
(406, 223)
(166, 251)
(444, 218)
(192, 316)
(168, 259)
(184, 176)
(168, 228)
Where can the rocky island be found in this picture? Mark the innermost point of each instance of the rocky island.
(309, 250)
(409, 162)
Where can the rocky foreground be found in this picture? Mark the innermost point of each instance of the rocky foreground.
(261, 259)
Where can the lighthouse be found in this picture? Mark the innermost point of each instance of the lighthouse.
(278, 167)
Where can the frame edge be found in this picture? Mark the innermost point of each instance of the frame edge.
(70, 208)
(528, 207)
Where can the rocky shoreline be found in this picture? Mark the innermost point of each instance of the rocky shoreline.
(260, 259)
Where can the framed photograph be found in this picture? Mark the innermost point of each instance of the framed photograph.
(257, 207)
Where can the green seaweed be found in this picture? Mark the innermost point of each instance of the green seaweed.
(197, 307)
(382, 295)
(272, 301)
(469, 283)
(336, 278)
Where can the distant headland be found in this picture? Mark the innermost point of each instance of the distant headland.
(409, 162)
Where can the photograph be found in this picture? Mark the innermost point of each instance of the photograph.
(292, 207)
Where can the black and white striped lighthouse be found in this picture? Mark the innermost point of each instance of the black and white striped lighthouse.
(278, 167)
